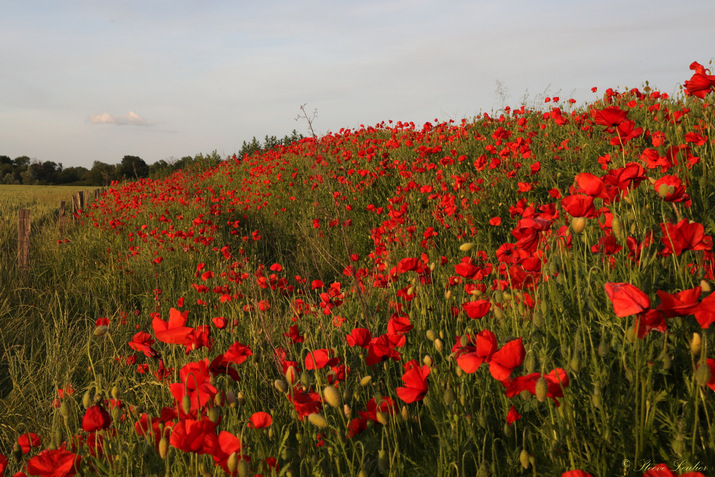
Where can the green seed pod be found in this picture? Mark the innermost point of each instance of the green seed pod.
(542, 389)
(116, 393)
(65, 409)
(617, 226)
(214, 414)
(537, 319)
(596, 397)
(603, 348)
(498, 313)
(631, 334)
(702, 375)
(575, 363)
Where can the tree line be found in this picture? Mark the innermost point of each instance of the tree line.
(24, 170)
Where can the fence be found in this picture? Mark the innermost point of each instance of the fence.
(24, 226)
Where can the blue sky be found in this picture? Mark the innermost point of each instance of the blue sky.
(86, 80)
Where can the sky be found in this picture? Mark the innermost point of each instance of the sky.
(95, 80)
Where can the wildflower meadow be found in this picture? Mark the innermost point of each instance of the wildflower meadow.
(527, 292)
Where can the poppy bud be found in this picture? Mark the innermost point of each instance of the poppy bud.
(318, 420)
(381, 417)
(696, 345)
(466, 247)
(431, 335)
(483, 470)
(365, 380)
(214, 415)
(383, 461)
(291, 374)
(538, 319)
(438, 345)
(362, 473)
(631, 334)
(617, 226)
(232, 463)
(578, 224)
(405, 413)
(331, 396)
(666, 360)
(530, 362)
(603, 348)
(101, 330)
(243, 469)
(542, 389)
(705, 286)
(116, 393)
(305, 379)
(186, 404)
(17, 451)
(281, 385)
(240, 399)
(230, 398)
(347, 411)
(449, 397)
(524, 458)
(702, 375)
(163, 447)
(463, 341)
(448, 294)
(65, 410)
(428, 360)
(87, 399)
(575, 363)
(678, 446)
(596, 398)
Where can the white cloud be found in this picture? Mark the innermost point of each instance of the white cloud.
(131, 119)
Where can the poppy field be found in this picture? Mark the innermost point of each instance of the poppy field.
(528, 292)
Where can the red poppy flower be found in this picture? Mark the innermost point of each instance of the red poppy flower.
(579, 205)
(679, 304)
(3, 464)
(611, 116)
(399, 325)
(590, 185)
(671, 189)
(415, 379)
(260, 420)
(683, 236)
(359, 337)
(28, 441)
(96, 419)
(174, 330)
(223, 447)
(627, 299)
(142, 342)
(476, 309)
(650, 320)
(320, 358)
(305, 403)
(294, 334)
(380, 349)
(190, 435)
(576, 473)
(512, 416)
(477, 350)
(195, 383)
(508, 357)
(556, 380)
(700, 84)
(705, 312)
(54, 463)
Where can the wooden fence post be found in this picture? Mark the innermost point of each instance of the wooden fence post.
(23, 240)
(63, 218)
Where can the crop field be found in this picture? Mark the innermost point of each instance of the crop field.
(528, 292)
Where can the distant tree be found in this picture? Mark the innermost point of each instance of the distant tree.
(5, 160)
(74, 175)
(22, 162)
(28, 177)
(46, 172)
(160, 168)
(133, 167)
(102, 174)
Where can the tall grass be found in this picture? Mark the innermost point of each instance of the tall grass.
(350, 266)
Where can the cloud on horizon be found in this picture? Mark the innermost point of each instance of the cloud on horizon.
(131, 119)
